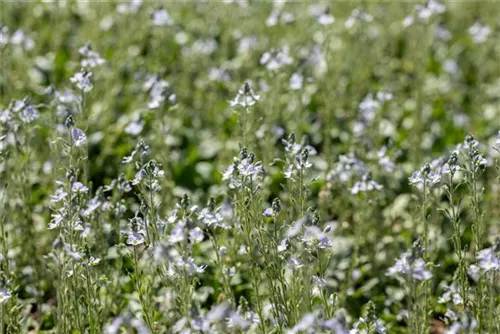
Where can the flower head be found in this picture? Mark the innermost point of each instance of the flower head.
(78, 136)
(245, 97)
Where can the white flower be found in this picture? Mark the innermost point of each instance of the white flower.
(304, 325)
(29, 114)
(134, 128)
(325, 19)
(139, 176)
(479, 32)
(488, 260)
(82, 80)
(131, 7)
(5, 295)
(78, 136)
(135, 239)
(365, 185)
(245, 97)
(79, 187)
(92, 58)
(406, 265)
(296, 81)
(161, 18)
(275, 59)
(357, 14)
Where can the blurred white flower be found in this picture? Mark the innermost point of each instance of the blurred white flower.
(357, 15)
(161, 18)
(479, 32)
(134, 128)
(296, 81)
(275, 59)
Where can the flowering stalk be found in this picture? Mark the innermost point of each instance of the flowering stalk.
(245, 99)
(142, 290)
(411, 270)
(454, 216)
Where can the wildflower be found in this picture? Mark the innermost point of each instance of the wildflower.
(335, 325)
(78, 136)
(450, 315)
(303, 160)
(247, 44)
(92, 58)
(296, 81)
(247, 168)
(59, 195)
(204, 47)
(290, 145)
(78, 187)
(134, 128)
(384, 161)
(488, 259)
(304, 325)
(424, 13)
(426, 175)
(135, 236)
(357, 15)
(236, 320)
(432, 7)
(365, 185)
(451, 294)
(287, 173)
(322, 14)
(57, 219)
(408, 265)
(135, 239)
(139, 176)
(325, 19)
(451, 166)
(158, 93)
(5, 295)
(82, 80)
(274, 209)
(196, 235)
(209, 217)
(5, 116)
(193, 268)
(29, 114)
(442, 33)
(275, 59)
(131, 7)
(319, 281)
(277, 15)
(347, 167)
(177, 233)
(479, 32)
(161, 18)
(245, 97)
(218, 74)
(361, 327)
(295, 263)
(92, 262)
(296, 228)
(20, 38)
(283, 245)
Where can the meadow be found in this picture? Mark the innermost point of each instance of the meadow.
(245, 166)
